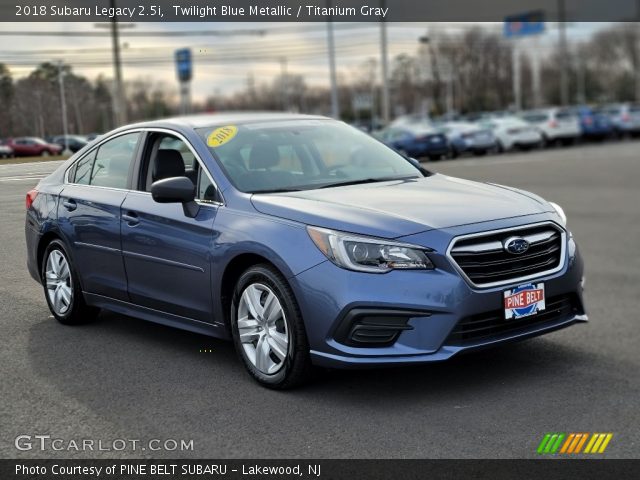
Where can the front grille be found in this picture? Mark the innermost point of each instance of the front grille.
(493, 325)
(485, 262)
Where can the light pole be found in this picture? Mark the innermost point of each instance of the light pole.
(386, 102)
(118, 104)
(437, 78)
(517, 84)
(284, 76)
(564, 76)
(335, 108)
(637, 45)
(63, 104)
(117, 100)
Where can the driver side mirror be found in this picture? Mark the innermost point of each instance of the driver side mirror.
(419, 166)
(176, 190)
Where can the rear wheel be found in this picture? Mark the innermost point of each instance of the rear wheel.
(62, 288)
(267, 329)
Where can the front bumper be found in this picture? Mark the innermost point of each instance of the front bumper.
(433, 303)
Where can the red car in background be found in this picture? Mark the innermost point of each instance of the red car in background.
(32, 147)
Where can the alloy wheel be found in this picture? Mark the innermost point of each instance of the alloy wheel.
(59, 282)
(263, 329)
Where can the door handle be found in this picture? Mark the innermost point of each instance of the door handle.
(131, 218)
(70, 204)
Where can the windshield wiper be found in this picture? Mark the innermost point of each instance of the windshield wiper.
(276, 190)
(366, 180)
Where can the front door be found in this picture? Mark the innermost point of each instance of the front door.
(167, 254)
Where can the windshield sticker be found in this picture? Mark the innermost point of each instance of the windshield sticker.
(221, 135)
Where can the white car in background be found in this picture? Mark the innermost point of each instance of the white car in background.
(5, 151)
(557, 125)
(513, 133)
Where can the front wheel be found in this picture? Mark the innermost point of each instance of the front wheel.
(62, 288)
(268, 331)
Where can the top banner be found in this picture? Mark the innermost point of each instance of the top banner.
(312, 10)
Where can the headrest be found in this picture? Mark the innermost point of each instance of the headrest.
(168, 164)
(264, 154)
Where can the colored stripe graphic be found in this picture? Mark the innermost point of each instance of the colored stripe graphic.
(572, 443)
(550, 443)
(598, 443)
(581, 443)
(565, 447)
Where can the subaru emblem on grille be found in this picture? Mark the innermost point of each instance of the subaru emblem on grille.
(516, 245)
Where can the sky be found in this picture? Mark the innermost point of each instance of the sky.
(224, 60)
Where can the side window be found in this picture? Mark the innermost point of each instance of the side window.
(169, 156)
(83, 169)
(111, 166)
(206, 189)
(173, 143)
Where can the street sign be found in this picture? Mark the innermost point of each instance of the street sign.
(524, 24)
(362, 101)
(184, 64)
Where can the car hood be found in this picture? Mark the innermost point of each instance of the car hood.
(403, 207)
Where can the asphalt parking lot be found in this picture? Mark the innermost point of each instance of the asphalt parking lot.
(121, 378)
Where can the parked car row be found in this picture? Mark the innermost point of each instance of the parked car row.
(38, 147)
(494, 132)
(29, 147)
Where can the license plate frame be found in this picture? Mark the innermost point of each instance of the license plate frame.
(523, 301)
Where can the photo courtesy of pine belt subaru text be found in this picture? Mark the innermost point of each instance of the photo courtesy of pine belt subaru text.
(302, 240)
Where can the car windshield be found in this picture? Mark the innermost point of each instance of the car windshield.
(564, 115)
(302, 155)
(535, 117)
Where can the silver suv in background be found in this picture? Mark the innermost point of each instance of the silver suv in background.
(557, 125)
(625, 118)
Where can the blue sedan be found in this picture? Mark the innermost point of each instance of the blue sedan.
(301, 239)
(416, 141)
(594, 124)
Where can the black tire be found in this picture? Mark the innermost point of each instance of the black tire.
(78, 312)
(434, 158)
(479, 153)
(500, 147)
(296, 367)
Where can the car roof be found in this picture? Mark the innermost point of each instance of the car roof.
(507, 121)
(462, 126)
(539, 111)
(225, 118)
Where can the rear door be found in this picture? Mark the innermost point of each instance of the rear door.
(89, 214)
(166, 253)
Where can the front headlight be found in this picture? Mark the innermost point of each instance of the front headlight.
(365, 254)
(560, 212)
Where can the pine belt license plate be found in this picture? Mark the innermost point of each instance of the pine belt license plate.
(523, 301)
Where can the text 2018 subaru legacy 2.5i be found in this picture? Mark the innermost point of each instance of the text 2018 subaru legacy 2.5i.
(303, 240)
